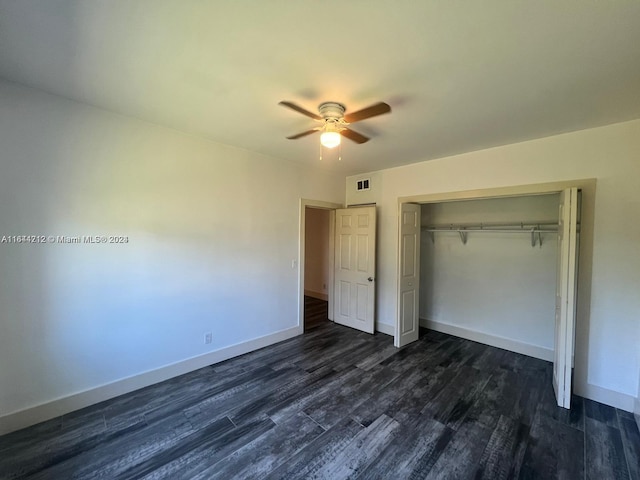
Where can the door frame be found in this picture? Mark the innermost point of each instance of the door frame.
(322, 205)
(583, 291)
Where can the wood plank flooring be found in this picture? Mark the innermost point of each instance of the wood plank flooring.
(315, 312)
(335, 403)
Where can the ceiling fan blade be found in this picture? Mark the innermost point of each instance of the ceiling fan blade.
(303, 134)
(353, 136)
(301, 110)
(372, 111)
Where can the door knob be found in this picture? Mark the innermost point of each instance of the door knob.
(370, 279)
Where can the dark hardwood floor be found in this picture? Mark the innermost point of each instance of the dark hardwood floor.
(315, 312)
(336, 403)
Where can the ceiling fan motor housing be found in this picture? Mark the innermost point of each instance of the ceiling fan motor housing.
(331, 110)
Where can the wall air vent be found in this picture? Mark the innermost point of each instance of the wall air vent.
(362, 184)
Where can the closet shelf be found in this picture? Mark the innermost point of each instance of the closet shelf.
(535, 229)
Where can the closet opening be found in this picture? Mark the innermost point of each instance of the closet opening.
(488, 271)
(500, 267)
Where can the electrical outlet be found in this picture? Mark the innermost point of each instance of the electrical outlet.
(208, 337)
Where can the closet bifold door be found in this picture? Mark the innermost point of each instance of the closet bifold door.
(565, 295)
(408, 322)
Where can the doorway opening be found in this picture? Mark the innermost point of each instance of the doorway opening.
(316, 252)
(317, 267)
(337, 265)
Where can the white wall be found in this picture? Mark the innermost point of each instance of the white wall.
(608, 335)
(637, 405)
(497, 283)
(317, 264)
(212, 233)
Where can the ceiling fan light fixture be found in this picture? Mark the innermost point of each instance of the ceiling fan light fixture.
(335, 123)
(330, 139)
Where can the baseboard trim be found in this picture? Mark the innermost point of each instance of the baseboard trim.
(386, 329)
(604, 395)
(318, 295)
(492, 340)
(61, 406)
(592, 392)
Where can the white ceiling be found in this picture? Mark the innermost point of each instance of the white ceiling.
(459, 75)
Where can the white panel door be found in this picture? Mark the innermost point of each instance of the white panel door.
(565, 296)
(408, 323)
(355, 268)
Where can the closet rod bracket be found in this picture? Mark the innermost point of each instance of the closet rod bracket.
(539, 237)
(535, 231)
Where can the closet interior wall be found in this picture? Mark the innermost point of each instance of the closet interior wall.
(496, 285)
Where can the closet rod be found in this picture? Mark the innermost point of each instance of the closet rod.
(504, 230)
(534, 229)
(520, 226)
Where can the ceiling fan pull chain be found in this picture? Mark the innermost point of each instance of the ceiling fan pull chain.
(321, 152)
(340, 152)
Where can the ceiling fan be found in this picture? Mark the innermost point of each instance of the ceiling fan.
(334, 121)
